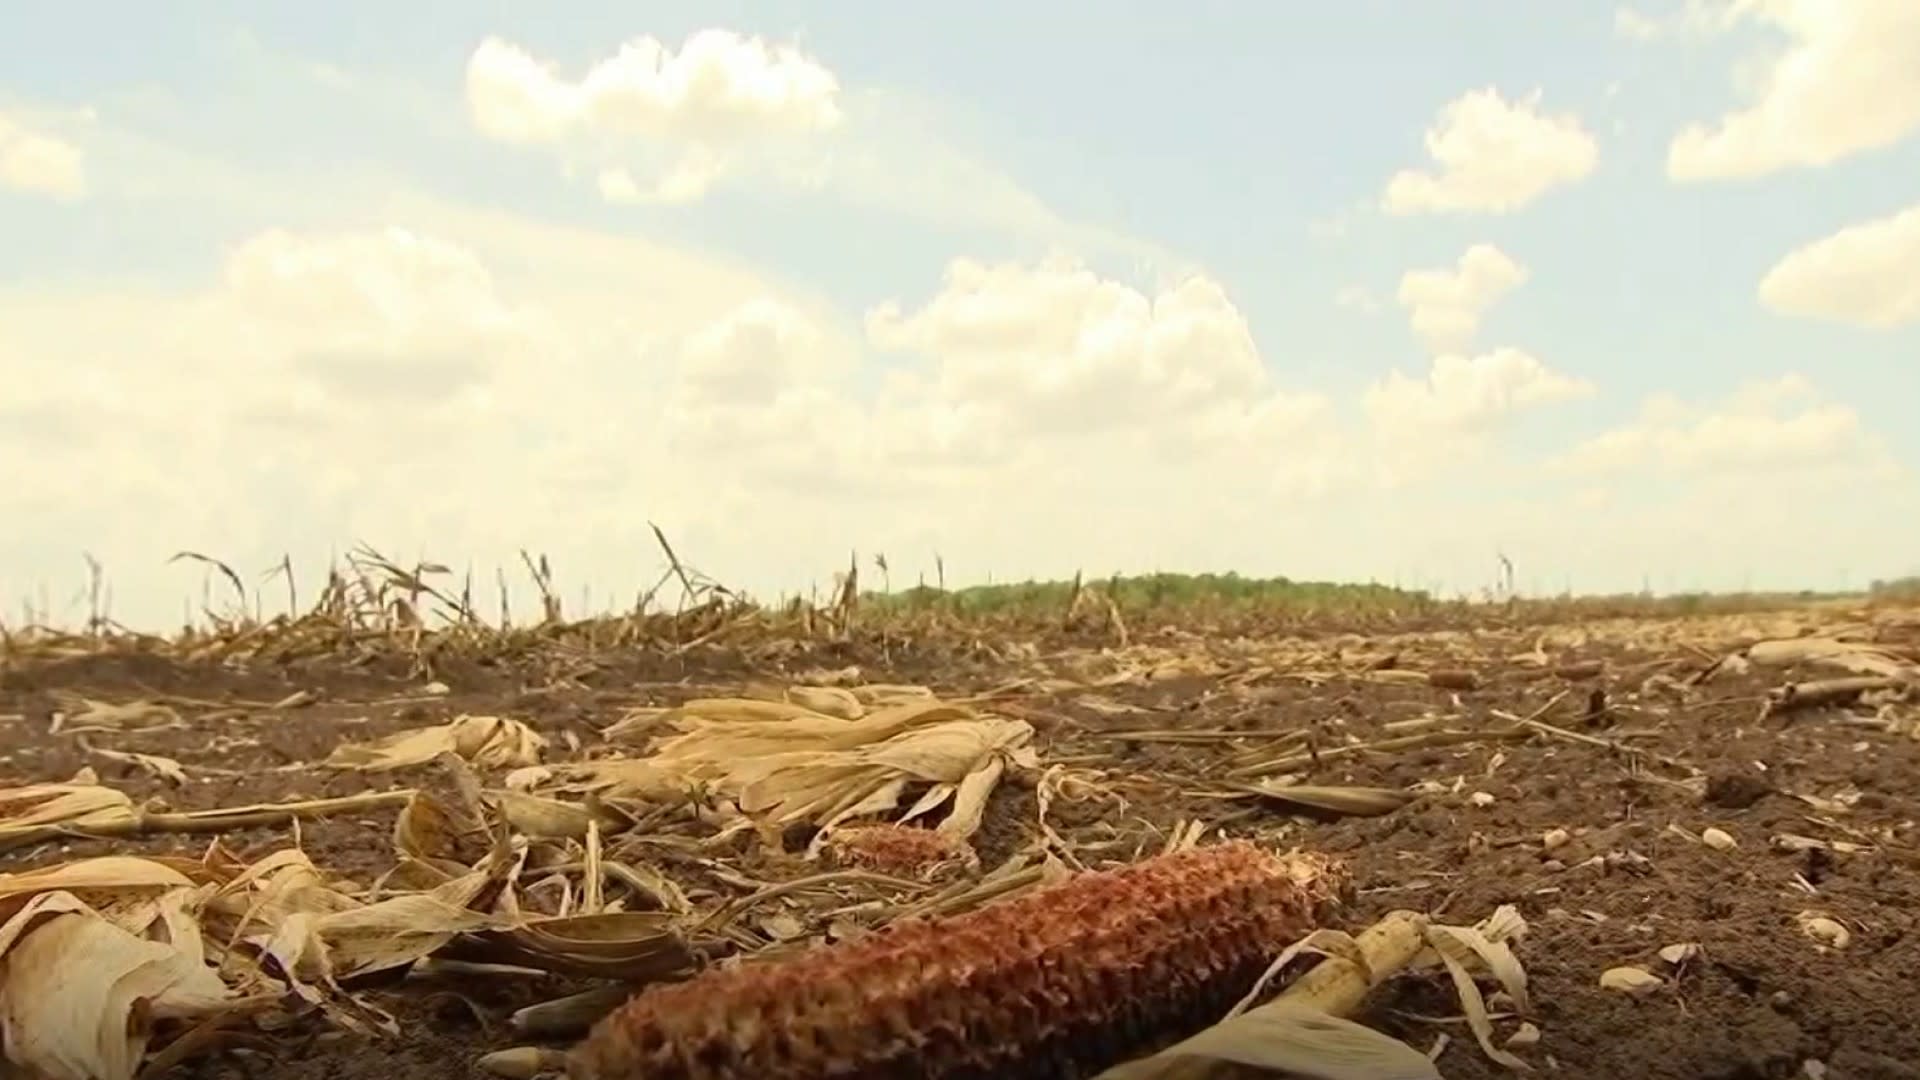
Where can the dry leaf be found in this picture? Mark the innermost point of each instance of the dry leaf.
(79, 805)
(875, 694)
(92, 716)
(1295, 1040)
(401, 929)
(635, 726)
(429, 830)
(543, 819)
(1847, 656)
(78, 993)
(485, 741)
(118, 873)
(1458, 947)
(828, 701)
(790, 764)
(630, 945)
(160, 768)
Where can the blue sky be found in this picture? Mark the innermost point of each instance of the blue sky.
(273, 212)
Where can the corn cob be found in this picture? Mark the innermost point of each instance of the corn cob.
(1058, 983)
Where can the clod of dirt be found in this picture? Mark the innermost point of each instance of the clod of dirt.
(1736, 790)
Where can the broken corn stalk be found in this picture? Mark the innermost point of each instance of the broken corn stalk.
(1057, 983)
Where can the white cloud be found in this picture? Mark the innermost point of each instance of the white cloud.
(453, 384)
(1060, 347)
(1468, 394)
(1018, 371)
(39, 163)
(374, 312)
(1696, 18)
(652, 127)
(757, 351)
(1445, 305)
(688, 180)
(1866, 274)
(690, 115)
(1769, 425)
(720, 85)
(1493, 156)
(1847, 82)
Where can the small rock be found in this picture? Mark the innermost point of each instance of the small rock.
(1823, 930)
(523, 1062)
(1718, 839)
(1680, 954)
(1631, 980)
(1554, 838)
(1480, 798)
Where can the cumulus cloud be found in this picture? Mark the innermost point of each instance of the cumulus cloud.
(1768, 425)
(1493, 156)
(373, 314)
(1424, 425)
(1866, 274)
(1061, 347)
(39, 163)
(1445, 305)
(1469, 394)
(1695, 18)
(455, 383)
(1847, 82)
(756, 351)
(718, 85)
(689, 112)
(1010, 370)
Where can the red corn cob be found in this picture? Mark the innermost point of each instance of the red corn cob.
(1059, 983)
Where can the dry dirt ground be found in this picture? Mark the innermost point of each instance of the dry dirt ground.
(1648, 744)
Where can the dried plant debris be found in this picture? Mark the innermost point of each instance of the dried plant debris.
(486, 741)
(1087, 970)
(620, 811)
(790, 764)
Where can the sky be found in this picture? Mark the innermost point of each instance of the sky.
(1629, 295)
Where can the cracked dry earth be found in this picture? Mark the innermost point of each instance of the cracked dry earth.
(1593, 827)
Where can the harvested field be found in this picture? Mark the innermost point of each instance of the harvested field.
(1724, 803)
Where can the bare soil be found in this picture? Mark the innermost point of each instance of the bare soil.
(1645, 760)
